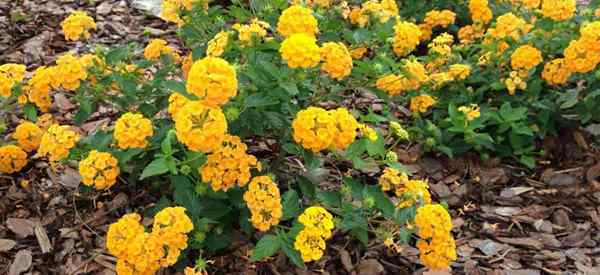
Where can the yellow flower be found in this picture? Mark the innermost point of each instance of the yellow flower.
(471, 111)
(346, 127)
(99, 169)
(28, 136)
(310, 244)
(443, 18)
(525, 58)
(406, 38)
(436, 244)
(132, 131)
(213, 80)
(421, 103)
(217, 45)
(508, 25)
(45, 121)
(170, 10)
(320, 3)
(264, 202)
(408, 191)
(158, 47)
(10, 75)
(337, 60)
(555, 72)
(480, 11)
(460, 71)
(367, 132)
(399, 131)
(77, 25)
(415, 73)
(121, 233)
(186, 65)
(558, 10)
(172, 219)
(440, 45)
(314, 129)
(12, 159)
(57, 141)
(228, 165)
(176, 102)
(297, 19)
(70, 71)
(469, 33)
(300, 51)
(256, 28)
(39, 85)
(358, 53)
(317, 219)
(391, 84)
(597, 12)
(199, 127)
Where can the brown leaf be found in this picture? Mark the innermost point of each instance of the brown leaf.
(21, 227)
(42, 238)
(6, 244)
(562, 180)
(522, 242)
(493, 176)
(346, 260)
(514, 191)
(369, 267)
(21, 263)
(63, 103)
(70, 178)
(593, 173)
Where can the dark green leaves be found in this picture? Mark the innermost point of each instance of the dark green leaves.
(267, 246)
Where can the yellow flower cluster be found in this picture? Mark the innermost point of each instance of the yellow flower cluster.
(57, 141)
(39, 85)
(170, 10)
(440, 45)
(10, 74)
(318, 224)
(246, 32)
(406, 38)
(436, 244)
(525, 58)
(77, 25)
(132, 131)
(414, 74)
(459, 71)
(12, 159)
(337, 60)
(471, 112)
(583, 55)
(556, 72)
(186, 64)
(507, 26)
(480, 11)
(70, 71)
(300, 51)
(99, 169)
(383, 10)
(140, 252)
(529, 4)
(216, 46)
(408, 191)
(399, 131)
(228, 165)
(264, 202)
(28, 136)
(514, 82)
(469, 33)
(421, 103)
(367, 132)
(391, 83)
(358, 53)
(317, 129)
(597, 12)
(201, 128)
(297, 19)
(213, 80)
(176, 102)
(443, 18)
(558, 10)
(158, 47)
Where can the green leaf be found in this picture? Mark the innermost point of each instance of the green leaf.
(377, 147)
(185, 196)
(307, 187)
(117, 55)
(174, 85)
(355, 186)
(290, 204)
(361, 234)
(290, 252)
(528, 161)
(259, 100)
(156, 167)
(85, 111)
(290, 88)
(331, 199)
(267, 246)
(381, 200)
(218, 239)
(30, 112)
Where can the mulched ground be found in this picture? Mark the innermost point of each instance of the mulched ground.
(508, 220)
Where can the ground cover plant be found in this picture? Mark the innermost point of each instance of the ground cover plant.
(487, 78)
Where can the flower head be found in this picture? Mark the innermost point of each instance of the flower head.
(300, 51)
(201, 128)
(10, 75)
(213, 80)
(338, 62)
(264, 202)
(57, 141)
(158, 47)
(421, 103)
(132, 131)
(28, 136)
(314, 128)
(297, 19)
(406, 38)
(471, 112)
(12, 159)
(317, 219)
(99, 169)
(217, 45)
(558, 10)
(77, 25)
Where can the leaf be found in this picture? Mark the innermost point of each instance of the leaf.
(290, 88)
(331, 199)
(267, 246)
(30, 112)
(528, 161)
(117, 55)
(290, 204)
(258, 100)
(217, 239)
(184, 195)
(156, 167)
(377, 147)
(307, 187)
(355, 187)
(381, 201)
(290, 252)
(85, 111)
(174, 85)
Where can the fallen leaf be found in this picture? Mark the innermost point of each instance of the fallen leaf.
(70, 178)
(593, 173)
(346, 260)
(562, 180)
(21, 263)
(514, 191)
(522, 242)
(369, 267)
(6, 244)
(42, 238)
(507, 211)
(21, 227)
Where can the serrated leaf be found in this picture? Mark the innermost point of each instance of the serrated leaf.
(331, 199)
(292, 253)
(157, 167)
(259, 100)
(290, 204)
(267, 246)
